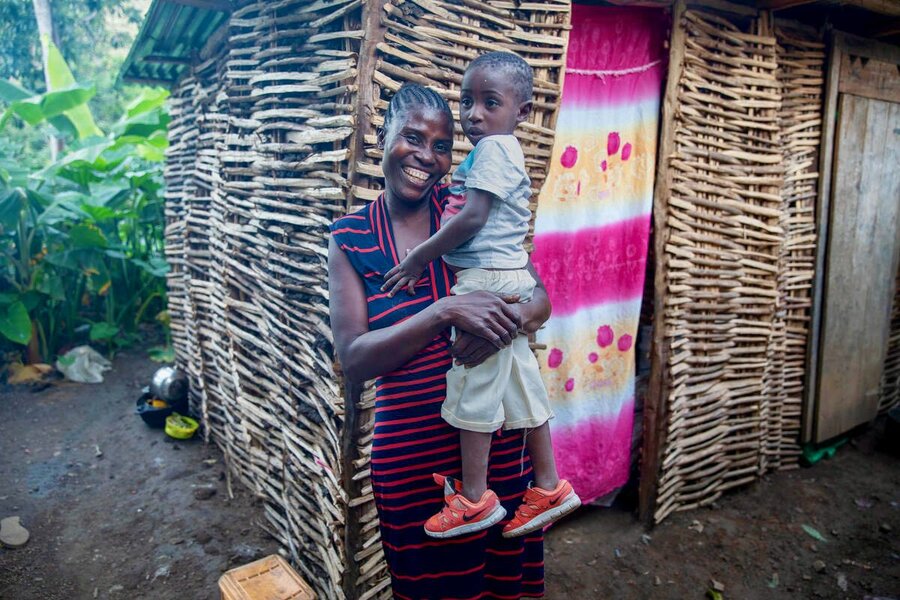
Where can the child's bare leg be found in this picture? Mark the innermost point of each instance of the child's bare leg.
(475, 446)
(541, 451)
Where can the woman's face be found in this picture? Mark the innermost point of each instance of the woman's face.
(417, 153)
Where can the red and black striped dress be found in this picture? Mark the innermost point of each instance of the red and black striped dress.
(411, 441)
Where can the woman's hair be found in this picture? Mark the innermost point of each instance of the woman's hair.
(413, 95)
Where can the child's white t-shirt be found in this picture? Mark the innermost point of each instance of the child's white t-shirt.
(496, 165)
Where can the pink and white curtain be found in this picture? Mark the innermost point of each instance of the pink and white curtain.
(591, 236)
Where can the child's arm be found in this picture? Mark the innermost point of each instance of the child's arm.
(456, 232)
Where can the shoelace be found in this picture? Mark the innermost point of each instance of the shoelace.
(522, 454)
(524, 513)
(447, 510)
(445, 520)
(527, 510)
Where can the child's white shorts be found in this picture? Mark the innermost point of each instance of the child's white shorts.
(505, 390)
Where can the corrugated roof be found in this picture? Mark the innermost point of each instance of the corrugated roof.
(172, 32)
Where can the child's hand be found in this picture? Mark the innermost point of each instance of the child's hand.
(404, 275)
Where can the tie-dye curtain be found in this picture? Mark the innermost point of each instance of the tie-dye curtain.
(591, 236)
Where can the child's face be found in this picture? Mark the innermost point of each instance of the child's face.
(490, 104)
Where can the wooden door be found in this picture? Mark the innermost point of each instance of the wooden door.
(862, 241)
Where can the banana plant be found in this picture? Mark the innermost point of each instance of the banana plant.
(81, 239)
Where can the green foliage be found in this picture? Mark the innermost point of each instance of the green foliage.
(20, 56)
(61, 78)
(162, 354)
(94, 38)
(15, 323)
(81, 238)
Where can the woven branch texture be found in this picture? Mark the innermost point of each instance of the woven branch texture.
(273, 135)
(740, 243)
(890, 379)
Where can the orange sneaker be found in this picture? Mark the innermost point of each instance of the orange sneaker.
(541, 507)
(459, 515)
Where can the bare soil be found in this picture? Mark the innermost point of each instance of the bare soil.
(118, 510)
(125, 524)
(751, 541)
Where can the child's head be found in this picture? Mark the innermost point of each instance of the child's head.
(496, 95)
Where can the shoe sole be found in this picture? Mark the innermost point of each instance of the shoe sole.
(492, 519)
(571, 502)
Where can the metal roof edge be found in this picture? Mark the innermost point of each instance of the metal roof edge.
(203, 7)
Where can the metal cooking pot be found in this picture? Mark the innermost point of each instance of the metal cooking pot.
(169, 384)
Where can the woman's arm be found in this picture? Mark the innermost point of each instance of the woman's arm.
(535, 313)
(365, 354)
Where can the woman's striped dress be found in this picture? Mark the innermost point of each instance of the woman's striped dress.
(412, 441)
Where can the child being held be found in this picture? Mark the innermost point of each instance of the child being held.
(482, 236)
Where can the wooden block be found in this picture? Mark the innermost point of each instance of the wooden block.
(269, 578)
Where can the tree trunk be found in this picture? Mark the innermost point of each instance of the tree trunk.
(33, 350)
(44, 17)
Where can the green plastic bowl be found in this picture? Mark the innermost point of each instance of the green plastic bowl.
(181, 427)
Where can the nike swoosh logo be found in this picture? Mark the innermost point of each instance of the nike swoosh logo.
(468, 518)
(554, 501)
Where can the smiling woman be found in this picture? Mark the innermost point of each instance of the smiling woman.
(420, 152)
(403, 341)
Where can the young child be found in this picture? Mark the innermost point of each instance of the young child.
(481, 237)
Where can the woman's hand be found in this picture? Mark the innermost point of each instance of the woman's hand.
(470, 350)
(483, 314)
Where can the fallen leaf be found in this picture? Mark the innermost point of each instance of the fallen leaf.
(813, 533)
(19, 373)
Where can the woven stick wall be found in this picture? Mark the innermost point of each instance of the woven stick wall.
(801, 57)
(180, 160)
(890, 378)
(272, 137)
(736, 253)
(257, 170)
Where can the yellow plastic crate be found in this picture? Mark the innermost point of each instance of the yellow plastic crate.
(269, 578)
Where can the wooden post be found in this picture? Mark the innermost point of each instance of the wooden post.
(654, 417)
(352, 394)
(823, 207)
(366, 96)
(364, 111)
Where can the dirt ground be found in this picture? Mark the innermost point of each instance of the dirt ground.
(126, 524)
(751, 541)
(117, 510)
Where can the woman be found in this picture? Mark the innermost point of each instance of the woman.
(404, 342)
